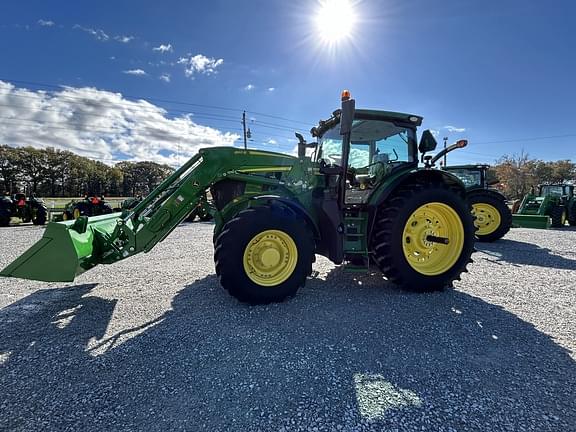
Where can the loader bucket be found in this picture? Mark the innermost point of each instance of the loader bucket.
(66, 250)
(530, 221)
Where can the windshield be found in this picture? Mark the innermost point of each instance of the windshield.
(551, 190)
(372, 141)
(468, 177)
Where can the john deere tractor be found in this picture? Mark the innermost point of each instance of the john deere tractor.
(552, 206)
(359, 199)
(30, 209)
(493, 218)
(89, 206)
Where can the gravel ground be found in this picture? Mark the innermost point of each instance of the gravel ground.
(153, 343)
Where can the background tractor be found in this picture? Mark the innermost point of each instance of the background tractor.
(493, 217)
(89, 206)
(552, 206)
(203, 211)
(360, 198)
(30, 209)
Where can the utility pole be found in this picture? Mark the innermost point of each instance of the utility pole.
(244, 128)
(445, 141)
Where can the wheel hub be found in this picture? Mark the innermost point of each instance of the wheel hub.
(270, 258)
(487, 218)
(433, 238)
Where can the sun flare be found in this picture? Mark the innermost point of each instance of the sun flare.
(335, 20)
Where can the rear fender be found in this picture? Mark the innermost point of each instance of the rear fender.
(415, 176)
(491, 192)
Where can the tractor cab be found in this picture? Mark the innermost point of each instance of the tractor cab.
(381, 143)
(559, 190)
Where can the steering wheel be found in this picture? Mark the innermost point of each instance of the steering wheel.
(334, 158)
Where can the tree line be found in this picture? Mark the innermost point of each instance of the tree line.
(518, 174)
(61, 173)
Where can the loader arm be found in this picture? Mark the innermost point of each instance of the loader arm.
(69, 248)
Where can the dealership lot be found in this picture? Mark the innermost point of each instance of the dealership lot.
(154, 343)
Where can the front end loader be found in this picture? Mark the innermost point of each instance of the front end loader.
(552, 206)
(360, 200)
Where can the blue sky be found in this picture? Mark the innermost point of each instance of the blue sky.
(500, 73)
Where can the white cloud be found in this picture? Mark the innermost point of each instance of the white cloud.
(46, 23)
(101, 125)
(272, 141)
(165, 77)
(163, 48)
(97, 33)
(200, 64)
(435, 132)
(271, 89)
(124, 39)
(138, 72)
(249, 87)
(454, 129)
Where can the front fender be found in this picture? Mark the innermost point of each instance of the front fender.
(240, 203)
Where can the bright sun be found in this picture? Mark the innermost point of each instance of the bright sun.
(335, 20)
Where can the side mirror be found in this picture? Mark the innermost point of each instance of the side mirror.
(303, 145)
(427, 142)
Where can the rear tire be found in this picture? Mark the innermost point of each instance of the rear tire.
(4, 219)
(106, 209)
(493, 217)
(558, 216)
(264, 254)
(39, 215)
(400, 242)
(205, 216)
(572, 215)
(5, 213)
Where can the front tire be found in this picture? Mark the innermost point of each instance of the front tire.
(264, 254)
(493, 217)
(558, 216)
(412, 228)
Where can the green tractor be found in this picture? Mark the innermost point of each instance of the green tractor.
(203, 211)
(552, 206)
(360, 199)
(30, 209)
(493, 218)
(89, 206)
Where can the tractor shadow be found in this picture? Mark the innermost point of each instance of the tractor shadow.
(522, 253)
(345, 350)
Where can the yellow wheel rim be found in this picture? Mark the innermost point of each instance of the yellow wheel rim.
(270, 258)
(423, 234)
(487, 218)
(563, 219)
(76, 213)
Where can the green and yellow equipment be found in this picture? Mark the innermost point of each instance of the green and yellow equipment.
(493, 217)
(359, 199)
(554, 205)
(29, 209)
(89, 206)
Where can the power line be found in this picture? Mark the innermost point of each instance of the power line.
(525, 139)
(176, 102)
(194, 115)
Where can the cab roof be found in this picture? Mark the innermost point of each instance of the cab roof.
(414, 119)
